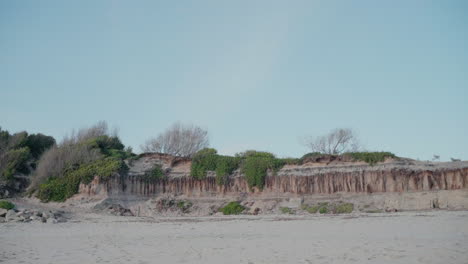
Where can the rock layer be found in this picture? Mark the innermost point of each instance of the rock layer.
(309, 179)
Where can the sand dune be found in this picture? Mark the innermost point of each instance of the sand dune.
(413, 237)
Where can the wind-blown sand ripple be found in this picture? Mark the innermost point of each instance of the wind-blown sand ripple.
(413, 237)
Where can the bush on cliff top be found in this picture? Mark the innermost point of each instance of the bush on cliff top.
(370, 157)
(203, 161)
(209, 160)
(155, 174)
(225, 166)
(254, 165)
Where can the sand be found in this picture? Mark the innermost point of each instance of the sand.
(410, 237)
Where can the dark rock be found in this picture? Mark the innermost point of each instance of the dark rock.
(256, 211)
(118, 209)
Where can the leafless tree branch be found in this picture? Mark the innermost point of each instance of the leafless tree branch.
(336, 142)
(178, 140)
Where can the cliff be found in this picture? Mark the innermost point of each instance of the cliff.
(392, 176)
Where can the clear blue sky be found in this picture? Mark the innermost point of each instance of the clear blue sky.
(256, 74)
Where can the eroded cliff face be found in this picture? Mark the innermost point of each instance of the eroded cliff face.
(307, 179)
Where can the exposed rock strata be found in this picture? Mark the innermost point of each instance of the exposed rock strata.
(308, 179)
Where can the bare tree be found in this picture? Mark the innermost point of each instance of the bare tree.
(83, 134)
(336, 142)
(178, 140)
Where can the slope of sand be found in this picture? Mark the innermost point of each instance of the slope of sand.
(412, 237)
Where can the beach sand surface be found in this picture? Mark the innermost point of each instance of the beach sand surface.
(410, 237)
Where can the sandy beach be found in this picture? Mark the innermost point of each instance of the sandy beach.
(409, 237)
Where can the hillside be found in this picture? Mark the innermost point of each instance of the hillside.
(395, 184)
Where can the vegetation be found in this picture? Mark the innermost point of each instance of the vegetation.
(287, 210)
(19, 152)
(255, 165)
(335, 142)
(6, 205)
(370, 157)
(178, 140)
(252, 163)
(203, 161)
(58, 189)
(225, 166)
(232, 208)
(15, 161)
(38, 143)
(184, 205)
(311, 209)
(344, 208)
(155, 174)
(78, 159)
(325, 208)
(58, 169)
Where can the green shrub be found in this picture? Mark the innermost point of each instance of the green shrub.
(38, 143)
(255, 166)
(255, 171)
(323, 209)
(17, 140)
(155, 174)
(19, 153)
(57, 189)
(6, 205)
(61, 188)
(4, 138)
(370, 157)
(184, 205)
(104, 168)
(109, 146)
(225, 166)
(77, 159)
(287, 210)
(344, 208)
(203, 161)
(105, 142)
(14, 161)
(310, 209)
(232, 208)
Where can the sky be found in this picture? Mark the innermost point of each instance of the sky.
(256, 74)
